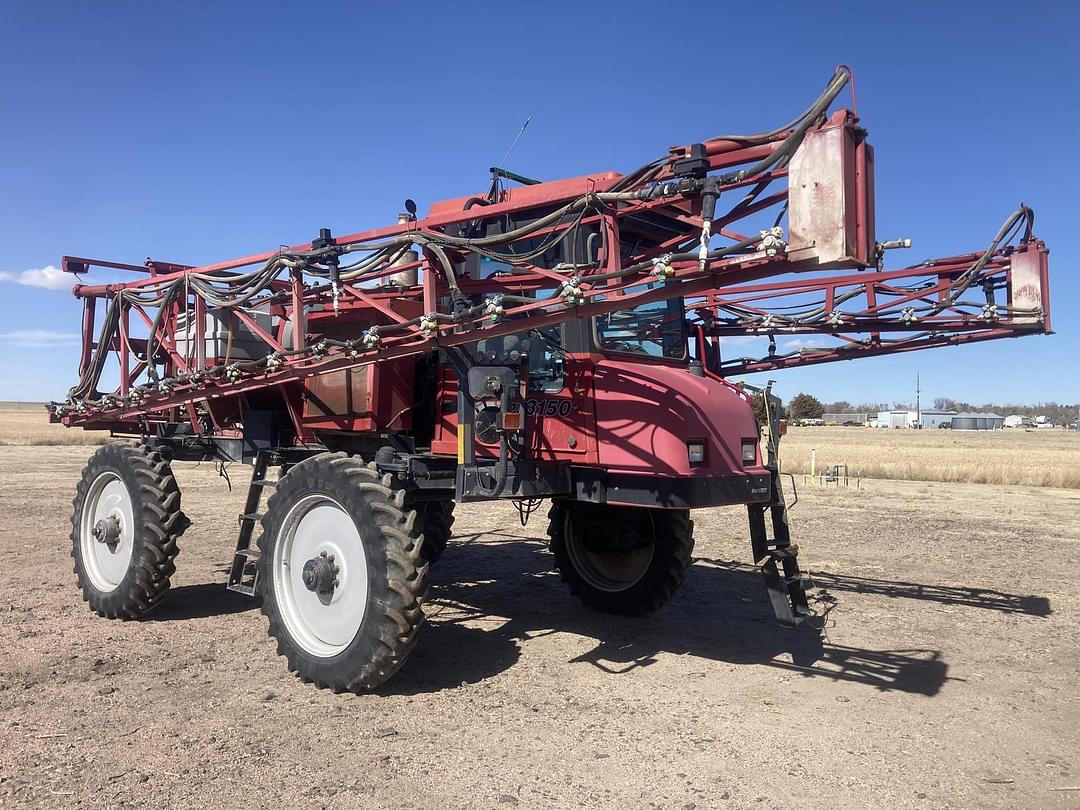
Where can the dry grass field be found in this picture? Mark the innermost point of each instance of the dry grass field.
(25, 424)
(1039, 458)
(1043, 458)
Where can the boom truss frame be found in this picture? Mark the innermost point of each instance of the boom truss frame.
(654, 234)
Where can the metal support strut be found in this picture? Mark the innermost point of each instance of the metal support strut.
(778, 556)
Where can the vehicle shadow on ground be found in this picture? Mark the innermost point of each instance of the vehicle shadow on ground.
(200, 602)
(982, 598)
(508, 594)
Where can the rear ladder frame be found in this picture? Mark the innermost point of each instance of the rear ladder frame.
(244, 574)
(778, 556)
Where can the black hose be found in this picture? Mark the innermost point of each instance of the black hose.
(675, 257)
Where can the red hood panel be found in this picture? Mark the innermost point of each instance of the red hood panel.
(646, 414)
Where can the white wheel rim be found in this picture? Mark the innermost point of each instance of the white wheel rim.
(322, 625)
(106, 564)
(610, 571)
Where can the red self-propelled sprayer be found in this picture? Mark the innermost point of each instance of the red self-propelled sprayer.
(540, 340)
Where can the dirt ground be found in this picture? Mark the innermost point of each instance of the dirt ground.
(945, 677)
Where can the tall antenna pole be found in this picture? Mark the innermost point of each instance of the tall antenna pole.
(918, 408)
(496, 171)
(513, 143)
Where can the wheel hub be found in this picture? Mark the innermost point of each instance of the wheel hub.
(611, 556)
(320, 574)
(107, 531)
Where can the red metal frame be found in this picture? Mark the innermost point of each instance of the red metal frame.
(867, 310)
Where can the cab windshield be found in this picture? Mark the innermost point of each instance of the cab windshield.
(657, 329)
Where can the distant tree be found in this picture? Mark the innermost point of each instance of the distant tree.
(840, 406)
(805, 406)
(946, 404)
(1055, 412)
(757, 403)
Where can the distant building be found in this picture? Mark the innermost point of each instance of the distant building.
(978, 421)
(935, 419)
(1016, 420)
(848, 418)
(928, 419)
(892, 419)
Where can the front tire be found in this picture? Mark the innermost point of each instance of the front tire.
(621, 559)
(341, 573)
(124, 528)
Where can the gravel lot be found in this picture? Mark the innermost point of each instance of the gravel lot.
(944, 677)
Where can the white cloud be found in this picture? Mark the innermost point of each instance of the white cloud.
(50, 278)
(39, 338)
(793, 344)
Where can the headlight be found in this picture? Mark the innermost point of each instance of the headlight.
(749, 451)
(696, 451)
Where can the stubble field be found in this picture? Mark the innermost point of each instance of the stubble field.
(26, 424)
(943, 677)
(1039, 458)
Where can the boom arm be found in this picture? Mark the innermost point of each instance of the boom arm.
(1000, 293)
(572, 249)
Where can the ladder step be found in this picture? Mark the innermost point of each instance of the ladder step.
(245, 553)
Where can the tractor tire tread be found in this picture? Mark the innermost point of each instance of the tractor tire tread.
(385, 639)
(674, 549)
(160, 521)
(435, 521)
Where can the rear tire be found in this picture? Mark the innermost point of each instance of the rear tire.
(621, 559)
(341, 573)
(124, 528)
(435, 521)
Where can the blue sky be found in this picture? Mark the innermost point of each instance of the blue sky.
(196, 132)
